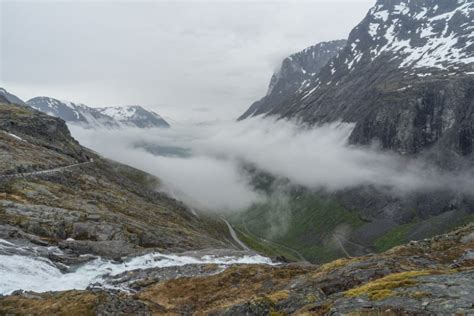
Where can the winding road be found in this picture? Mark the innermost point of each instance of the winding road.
(341, 240)
(235, 237)
(35, 173)
(294, 251)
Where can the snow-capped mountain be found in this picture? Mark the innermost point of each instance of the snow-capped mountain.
(134, 115)
(113, 117)
(295, 74)
(405, 78)
(72, 112)
(421, 34)
(10, 97)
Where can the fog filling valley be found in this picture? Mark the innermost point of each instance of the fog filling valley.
(201, 164)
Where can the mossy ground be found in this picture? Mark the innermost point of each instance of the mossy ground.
(72, 303)
(384, 287)
(235, 285)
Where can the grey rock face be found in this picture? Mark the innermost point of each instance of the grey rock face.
(295, 75)
(40, 129)
(443, 294)
(10, 97)
(405, 78)
(137, 279)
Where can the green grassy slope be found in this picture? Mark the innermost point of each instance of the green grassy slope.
(304, 221)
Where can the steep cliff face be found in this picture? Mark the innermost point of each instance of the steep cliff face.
(10, 98)
(295, 74)
(40, 129)
(405, 78)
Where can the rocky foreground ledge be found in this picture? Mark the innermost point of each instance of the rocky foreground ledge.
(433, 276)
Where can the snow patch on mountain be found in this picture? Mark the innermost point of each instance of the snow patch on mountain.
(295, 75)
(423, 36)
(134, 115)
(110, 117)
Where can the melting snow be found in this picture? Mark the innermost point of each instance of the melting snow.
(373, 27)
(120, 113)
(382, 15)
(439, 51)
(16, 137)
(401, 9)
(307, 94)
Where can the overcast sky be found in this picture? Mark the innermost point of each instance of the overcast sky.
(180, 58)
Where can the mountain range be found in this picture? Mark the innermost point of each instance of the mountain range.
(405, 79)
(78, 113)
(295, 74)
(90, 228)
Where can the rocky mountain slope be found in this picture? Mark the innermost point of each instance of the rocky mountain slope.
(95, 207)
(405, 79)
(72, 112)
(10, 98)
(295, 74)
(430, 277)
(111, 117)
(134, 115)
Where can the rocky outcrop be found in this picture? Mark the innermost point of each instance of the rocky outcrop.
(40, 129)
(10, 98)
(295, 75)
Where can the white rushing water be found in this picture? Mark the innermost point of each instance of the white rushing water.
(26, 271)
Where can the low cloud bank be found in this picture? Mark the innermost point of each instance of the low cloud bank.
(210, 176)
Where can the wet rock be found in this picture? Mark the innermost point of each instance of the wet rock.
(444, 294)
(251, 308)
(138, 279)
(467, 239)
(112, 249)
(116, 303)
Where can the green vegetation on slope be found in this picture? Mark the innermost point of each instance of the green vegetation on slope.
(266, 248)
(417, 229)
(393, 237)
(303, 221)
